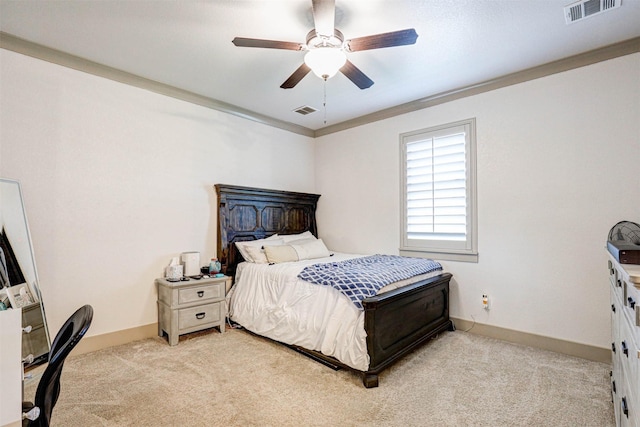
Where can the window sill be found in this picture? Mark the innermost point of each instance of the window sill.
(444, 256)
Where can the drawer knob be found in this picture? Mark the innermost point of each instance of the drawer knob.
(200, 294)
(619, 283)
(625, 408)
(613, 386)
(632, 302)
(625, 350)
(32, 415)
(200, 316)
(613, 308)
(613, 347)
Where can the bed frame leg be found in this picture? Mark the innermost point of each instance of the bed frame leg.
(370, 380)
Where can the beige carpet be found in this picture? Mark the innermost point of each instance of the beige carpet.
(238, 379)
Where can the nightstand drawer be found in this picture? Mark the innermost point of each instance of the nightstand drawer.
(201, 293)
(200, 315)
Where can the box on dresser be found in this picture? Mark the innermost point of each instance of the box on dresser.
(624, 252)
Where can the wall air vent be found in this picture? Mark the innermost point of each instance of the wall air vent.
(304, 110)
(586, 8)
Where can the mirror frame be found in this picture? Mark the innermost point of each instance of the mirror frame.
(40, 358)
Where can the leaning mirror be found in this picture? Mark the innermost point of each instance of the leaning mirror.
(19, 286)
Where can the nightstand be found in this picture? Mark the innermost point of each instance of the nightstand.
(191, 306)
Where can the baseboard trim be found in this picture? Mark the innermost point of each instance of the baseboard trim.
(589, 352)
(584, 351)
(99, 342)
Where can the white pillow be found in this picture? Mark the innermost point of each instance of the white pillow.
(257, 244)
(291, 237)
(283, 253)
(257, 254)
(311, 249)
(306, 250)
(301, 241)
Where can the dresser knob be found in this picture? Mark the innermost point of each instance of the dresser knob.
(613, 308)
(632, 302)
(613, 347)
(27, 329)
(200, 316)
(625, 408)
(200, 294)
(28, 359)
(625, 350)
(32, 415)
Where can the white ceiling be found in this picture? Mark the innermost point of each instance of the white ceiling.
(187, 44)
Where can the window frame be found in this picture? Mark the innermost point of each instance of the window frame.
(442, 249)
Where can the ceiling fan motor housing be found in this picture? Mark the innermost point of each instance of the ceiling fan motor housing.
(315, 40)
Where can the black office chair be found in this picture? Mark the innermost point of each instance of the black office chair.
(49, 386)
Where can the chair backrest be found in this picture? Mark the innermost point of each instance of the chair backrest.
(49, 386)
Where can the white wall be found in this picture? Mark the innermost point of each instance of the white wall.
(117, 180)
(557, 168)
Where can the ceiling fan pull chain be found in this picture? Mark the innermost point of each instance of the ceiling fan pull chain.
(324, 102)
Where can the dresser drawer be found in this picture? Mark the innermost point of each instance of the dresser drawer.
(201, 293)
(201, 315)
(32, 315)
(628, 354)
(632, 307)
(613, 273)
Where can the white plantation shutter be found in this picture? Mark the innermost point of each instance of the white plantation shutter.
(438, 190)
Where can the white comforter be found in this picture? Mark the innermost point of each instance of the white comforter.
(271, 301)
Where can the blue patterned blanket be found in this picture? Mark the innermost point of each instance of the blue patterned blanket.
(360, 278)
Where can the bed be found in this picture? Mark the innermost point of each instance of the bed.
(390, 324)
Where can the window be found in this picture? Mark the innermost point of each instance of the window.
(439, 192)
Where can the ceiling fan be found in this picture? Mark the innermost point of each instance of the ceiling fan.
(326, 47)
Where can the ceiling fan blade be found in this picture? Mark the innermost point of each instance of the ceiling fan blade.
(295, 78)
(354, 74)
(324, 16)
(377, 41)
(270, 44)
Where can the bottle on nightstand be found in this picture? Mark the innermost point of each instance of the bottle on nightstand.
(214, 266)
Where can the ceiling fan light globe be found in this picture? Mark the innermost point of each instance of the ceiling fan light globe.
(325, 61)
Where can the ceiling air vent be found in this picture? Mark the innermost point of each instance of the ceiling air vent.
(584, 9)
(304, 110)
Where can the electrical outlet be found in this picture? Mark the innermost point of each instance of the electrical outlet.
(485, 301)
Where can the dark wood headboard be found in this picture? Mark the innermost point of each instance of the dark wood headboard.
(246, 213)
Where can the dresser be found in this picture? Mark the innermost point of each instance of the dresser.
(625, 346)
(10, 368)
(190, 306)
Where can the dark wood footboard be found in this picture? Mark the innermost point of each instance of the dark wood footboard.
(398, 321)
